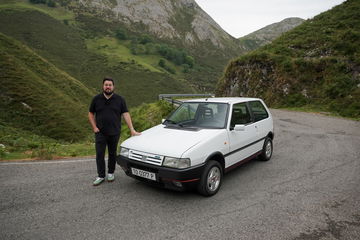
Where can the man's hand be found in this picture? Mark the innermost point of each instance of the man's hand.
(134, 133)
(128, 121)
(92, 121)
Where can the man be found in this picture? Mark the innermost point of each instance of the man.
(105, 114)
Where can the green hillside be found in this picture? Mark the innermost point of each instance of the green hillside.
(38, 97)
(76, 45)
(317, 64)
(17, 143)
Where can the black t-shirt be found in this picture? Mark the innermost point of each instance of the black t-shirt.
(108, 113)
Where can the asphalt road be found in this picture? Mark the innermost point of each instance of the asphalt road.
(310, 189)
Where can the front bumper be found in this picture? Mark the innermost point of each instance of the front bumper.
(177, 179)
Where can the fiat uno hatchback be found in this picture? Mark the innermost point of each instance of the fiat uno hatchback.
(199, 142)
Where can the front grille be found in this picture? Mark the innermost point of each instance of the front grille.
(146, 157)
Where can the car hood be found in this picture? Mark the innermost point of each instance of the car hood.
(165, 141)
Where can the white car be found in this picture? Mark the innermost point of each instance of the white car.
(199, 142)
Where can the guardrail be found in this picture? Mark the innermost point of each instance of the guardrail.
(170, 97)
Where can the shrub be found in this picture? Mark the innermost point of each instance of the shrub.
(51, 3)
(38, 1)
(45, 152)
(121, 34)
(186, 68)
(162, 63)
(2, 151)
(295, 100)
(144, 39)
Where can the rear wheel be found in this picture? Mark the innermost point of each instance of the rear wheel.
(211, 179)
(267, 150)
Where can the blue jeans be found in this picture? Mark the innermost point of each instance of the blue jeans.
(101, 141)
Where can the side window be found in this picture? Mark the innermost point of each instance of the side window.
(240, 115)
(258, 110)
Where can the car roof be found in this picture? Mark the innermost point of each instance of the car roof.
(223, 100)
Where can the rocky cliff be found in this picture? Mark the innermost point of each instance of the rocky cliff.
(167, 19)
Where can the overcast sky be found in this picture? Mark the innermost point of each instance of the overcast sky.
(241, 17)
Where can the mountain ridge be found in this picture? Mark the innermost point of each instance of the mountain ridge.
(160, 18)
(269, 33)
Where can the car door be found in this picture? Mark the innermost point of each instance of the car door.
(261, 117)
(240, 140)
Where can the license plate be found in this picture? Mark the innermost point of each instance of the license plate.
(143, 174)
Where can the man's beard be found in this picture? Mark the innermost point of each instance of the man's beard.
(108, 93)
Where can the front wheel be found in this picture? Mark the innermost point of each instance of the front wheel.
(211, 179)
(267, 150)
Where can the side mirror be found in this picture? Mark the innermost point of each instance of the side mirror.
(163, 120)
(239, 127)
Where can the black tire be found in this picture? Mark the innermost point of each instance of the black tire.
(267, 150)
(207, 186)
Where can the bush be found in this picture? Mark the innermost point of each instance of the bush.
(45, 152)
(162, 63)
(137, 49)
(38, 1)
(144, 39)
(51, 3)
(186, 68)
(168, 68)
(64, 3)
(2, 151)
(189, 60)
(295, 100)
(121, 34)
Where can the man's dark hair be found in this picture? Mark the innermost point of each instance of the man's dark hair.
(108, 79)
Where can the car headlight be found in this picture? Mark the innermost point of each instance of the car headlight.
(176, 162)
(124, 152)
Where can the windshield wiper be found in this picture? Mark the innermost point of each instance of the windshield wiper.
(170, 121)
(173, 122)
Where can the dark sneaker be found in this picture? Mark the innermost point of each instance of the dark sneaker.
(98, 181)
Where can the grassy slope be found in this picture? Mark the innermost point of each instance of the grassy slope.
(38, 97)
(315, 64)
(67, 47)
(20, 144)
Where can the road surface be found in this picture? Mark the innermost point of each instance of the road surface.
(310, 189)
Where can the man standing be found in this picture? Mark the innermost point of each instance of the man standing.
(105, 114)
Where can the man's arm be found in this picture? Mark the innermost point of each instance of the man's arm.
(92, 121)
(127, 118)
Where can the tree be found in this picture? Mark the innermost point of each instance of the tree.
(121, 34)
(162, 63)
(38, 1)
(144, 39)
(51, 3)
(186, 68)
(189, 60)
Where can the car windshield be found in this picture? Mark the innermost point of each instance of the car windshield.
(199, 115)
